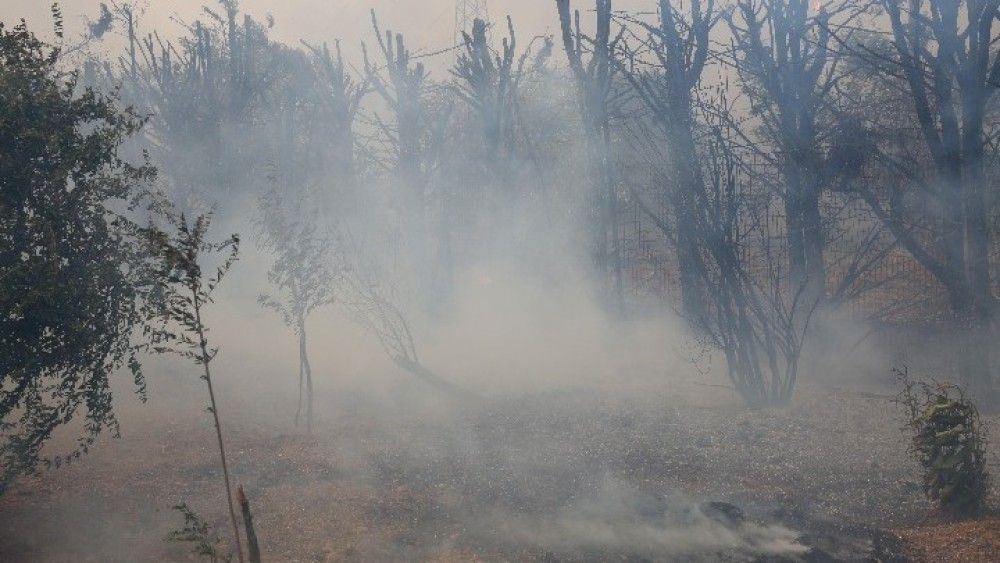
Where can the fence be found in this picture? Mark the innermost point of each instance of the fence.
(894, 289)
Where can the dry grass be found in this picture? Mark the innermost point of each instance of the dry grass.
(971, 541)
(430, 482)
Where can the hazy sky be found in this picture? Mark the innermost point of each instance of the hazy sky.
(428, 24)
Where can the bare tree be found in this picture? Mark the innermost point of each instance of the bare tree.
(681, 46)
(341, 101)
(594, 81)
(785, 61)
(414, 141)
(488, 82)
(944, 54)
(400, 83)
(758, 323)
(201, 91)
(368, 299)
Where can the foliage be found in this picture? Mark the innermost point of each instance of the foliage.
(198, 533)
(948, 442)
(72, 271)
(180, 288)
(181, 292)
(301, 272)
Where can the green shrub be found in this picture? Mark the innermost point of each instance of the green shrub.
(200, 535)
(948, 441)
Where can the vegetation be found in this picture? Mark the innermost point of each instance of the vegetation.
(73, 277)
(948, 441)
(826, 159)
(182, 291)
(302, 271)
(199, 534)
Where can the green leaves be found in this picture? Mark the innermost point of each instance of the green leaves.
(197, 532)
(947, 441)
(180, 286)
(301, 271)
(73, 273)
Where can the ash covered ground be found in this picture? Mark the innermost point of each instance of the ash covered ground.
(678, 472)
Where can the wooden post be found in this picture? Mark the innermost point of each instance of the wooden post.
(253, 548)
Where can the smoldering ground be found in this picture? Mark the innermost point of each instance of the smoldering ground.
(587, 439)
(578, 435)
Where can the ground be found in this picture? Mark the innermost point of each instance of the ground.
(676, 472)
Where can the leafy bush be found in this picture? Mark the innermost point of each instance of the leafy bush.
(948, 441)
(72, 274)
(198, 533)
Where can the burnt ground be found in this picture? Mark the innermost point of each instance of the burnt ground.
(679, 473)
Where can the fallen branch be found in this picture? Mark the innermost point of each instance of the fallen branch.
(430, 377)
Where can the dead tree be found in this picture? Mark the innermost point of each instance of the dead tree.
(488, 82)
(400, 83)
(413, 137)
(594, 81)
(368, 300)
(752, 317)
(492, 141)
(253, 547)
(944, 54)
(201, 91)
(127, 13)
(667, 87)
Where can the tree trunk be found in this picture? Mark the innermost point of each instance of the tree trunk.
(812, 238)
(206, 359)
(613, 227)
(684, 201)
(977, 246)
(305, 373)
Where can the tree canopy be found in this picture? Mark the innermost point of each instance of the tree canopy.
(71, 267)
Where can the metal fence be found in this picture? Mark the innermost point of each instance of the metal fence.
(894, 289)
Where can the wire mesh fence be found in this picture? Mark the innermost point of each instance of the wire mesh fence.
(892, 288)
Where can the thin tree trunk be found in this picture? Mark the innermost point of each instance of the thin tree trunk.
(978, 244)
(617, 266)
(689, 186)
(206, 359)
(307, 372)
(130, 23)
(813, 244)
(298, 408)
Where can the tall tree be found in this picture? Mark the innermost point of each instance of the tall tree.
(785, 60)
(681, 45)
(182, 291)
(488, 83)
(301, 272)
(402, 87)
(945, 54)
(594, 81)
(413, 136)
(341, 97)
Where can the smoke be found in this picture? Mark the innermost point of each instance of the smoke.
(563, 445)
(620, 521)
